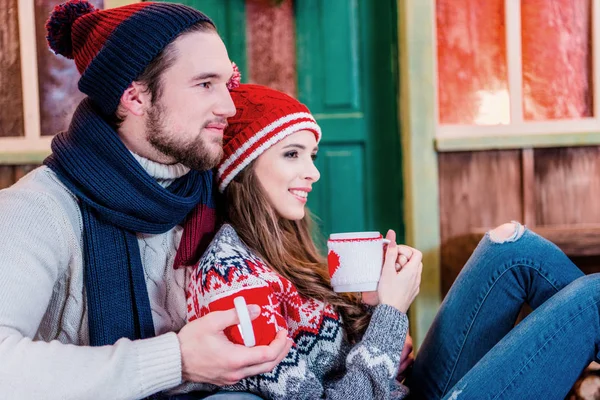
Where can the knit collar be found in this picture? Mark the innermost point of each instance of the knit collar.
(164, 174)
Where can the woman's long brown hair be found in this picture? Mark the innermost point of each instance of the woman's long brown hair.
(288, 248)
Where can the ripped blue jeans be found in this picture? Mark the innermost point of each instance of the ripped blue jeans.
(473, 350)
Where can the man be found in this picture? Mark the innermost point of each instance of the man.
(90, 304)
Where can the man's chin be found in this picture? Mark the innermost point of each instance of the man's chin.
(204, 163)
(217, 154)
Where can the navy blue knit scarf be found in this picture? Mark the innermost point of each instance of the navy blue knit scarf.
(118, 199)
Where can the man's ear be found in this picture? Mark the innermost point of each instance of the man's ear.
(136, 99)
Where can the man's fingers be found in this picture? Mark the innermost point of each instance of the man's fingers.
(281, 344)
(220, 320)
(267, 357)
(265, 354)
(254, 311)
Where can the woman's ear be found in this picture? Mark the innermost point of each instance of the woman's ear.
(136, 99)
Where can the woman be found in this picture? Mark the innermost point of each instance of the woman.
(265, 253)
(344, 349)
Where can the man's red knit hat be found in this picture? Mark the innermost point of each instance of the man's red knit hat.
(264, 117)
(112, 47)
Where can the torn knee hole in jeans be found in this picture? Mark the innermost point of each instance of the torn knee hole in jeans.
(499, 234)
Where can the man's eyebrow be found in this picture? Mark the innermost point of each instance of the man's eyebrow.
(206, 75)
(209, 75)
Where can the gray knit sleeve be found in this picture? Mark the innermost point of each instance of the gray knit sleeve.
(370, 367)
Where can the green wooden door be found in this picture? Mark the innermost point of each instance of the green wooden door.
(348, 77)
(230, 18)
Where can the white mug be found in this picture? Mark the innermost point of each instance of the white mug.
(355, 260)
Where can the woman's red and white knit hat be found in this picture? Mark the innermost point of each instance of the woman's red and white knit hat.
(264, 117)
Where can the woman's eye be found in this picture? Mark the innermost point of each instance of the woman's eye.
(314, 156)
(291, 154)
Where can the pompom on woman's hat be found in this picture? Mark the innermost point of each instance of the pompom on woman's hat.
(112, 47)
(263, 117)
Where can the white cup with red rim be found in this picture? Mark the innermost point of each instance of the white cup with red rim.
(355, 260)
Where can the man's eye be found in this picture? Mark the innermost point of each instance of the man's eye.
(205, 85)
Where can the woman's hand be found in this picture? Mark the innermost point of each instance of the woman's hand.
(399, 284)
(404, 254)
(407, 358)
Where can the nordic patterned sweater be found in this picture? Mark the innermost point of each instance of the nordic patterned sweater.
(321, 364)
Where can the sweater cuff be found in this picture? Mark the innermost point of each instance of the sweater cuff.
(159, 363)
(387, 329)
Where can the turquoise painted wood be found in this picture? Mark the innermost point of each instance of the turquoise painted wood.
(347, 76)
(342, 171)
(230, 18)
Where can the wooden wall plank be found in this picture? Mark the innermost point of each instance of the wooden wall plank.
(7, 176)
(568, 185)
(58, 76)
(11, 96)
(477, 190)
(22, 170)
(528, 187)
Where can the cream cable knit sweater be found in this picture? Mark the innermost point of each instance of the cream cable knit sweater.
(43, 313)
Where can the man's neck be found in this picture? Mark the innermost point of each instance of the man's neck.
(133, 134)
(164, 174)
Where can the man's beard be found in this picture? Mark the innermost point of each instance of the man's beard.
(196, 154)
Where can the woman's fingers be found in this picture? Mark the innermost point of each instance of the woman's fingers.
(405, 253)
(391, 236)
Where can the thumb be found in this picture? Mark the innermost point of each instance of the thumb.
(220, 320)
(391, 235)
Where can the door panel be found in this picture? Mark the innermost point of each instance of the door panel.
(341, 168)
(347, 76)
(339, 57)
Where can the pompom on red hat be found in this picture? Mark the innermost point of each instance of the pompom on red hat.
(264, 117)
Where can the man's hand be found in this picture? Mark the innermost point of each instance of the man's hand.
(207, 355)
(406, 359)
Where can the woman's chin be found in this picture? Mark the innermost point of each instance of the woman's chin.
(293, 215)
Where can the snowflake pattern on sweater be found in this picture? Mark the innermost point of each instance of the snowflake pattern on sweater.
(321, 364)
